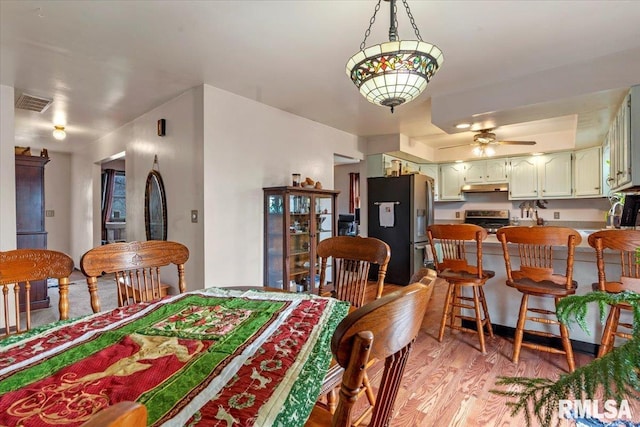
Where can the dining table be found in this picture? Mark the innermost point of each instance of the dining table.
(213, 357)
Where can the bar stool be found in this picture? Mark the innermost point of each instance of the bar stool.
(536, 277)
(449, 254)
(624, 245)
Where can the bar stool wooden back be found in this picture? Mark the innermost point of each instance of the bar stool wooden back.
(623, 244)
(449, 245)
(536, 277)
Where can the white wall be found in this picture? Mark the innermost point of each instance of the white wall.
(180, 164)
(248, 146)
(7, 170)
(57, 197)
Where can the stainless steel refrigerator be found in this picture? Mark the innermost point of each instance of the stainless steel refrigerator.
(399, 211)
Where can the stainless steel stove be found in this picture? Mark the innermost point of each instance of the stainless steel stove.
(490, 220)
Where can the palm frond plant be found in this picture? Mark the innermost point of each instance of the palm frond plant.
(617, 373)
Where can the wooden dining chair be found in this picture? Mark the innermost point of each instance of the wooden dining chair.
(122, 414)
(19, 268)
(536, 277)
(351, 258)
(136, 269)
(616, 277)
(384, 329)
(449, 248)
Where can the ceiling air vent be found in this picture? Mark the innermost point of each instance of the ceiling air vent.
(33, 103)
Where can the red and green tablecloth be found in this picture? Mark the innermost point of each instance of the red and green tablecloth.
(207, 358)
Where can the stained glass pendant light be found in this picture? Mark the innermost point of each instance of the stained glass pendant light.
(395, 72)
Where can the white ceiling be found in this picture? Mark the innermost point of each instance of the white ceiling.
(507, 64)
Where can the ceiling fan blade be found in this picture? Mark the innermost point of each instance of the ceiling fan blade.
(454, 146)
(517, 142)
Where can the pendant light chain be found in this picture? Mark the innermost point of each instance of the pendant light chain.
(371, 21)
(413, 21)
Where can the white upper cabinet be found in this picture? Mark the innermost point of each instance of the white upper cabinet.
(485, 171)
(541, 177)
(555, 173)
(523, 181)
(620, 146)
(587, 172)
(451, 181)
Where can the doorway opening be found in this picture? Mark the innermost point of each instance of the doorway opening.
(113, 201)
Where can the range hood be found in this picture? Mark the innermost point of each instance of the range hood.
(485, 188)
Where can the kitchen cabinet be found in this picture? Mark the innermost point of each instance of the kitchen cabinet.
(555, 175)
(587, 172)
(451, 181)
(296, 219)
(431, 170)
(541, 177)
(523, 178)
(31, 233)
(623, 156)
(485, 171)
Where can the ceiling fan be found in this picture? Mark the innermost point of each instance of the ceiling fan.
(484, 138)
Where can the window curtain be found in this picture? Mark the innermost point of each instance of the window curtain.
(354, 191)
(108, 184)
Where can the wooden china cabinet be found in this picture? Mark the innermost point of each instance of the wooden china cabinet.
(30, 219)
(296, 219)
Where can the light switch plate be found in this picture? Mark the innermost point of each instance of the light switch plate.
(49, 213)
(556, 215)
(194, 216)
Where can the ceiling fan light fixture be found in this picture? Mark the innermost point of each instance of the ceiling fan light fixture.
(59, 133)
(463, 125)
(484, 150)
(396, 72)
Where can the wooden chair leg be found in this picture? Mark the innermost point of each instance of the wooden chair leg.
(483, 300)
(479, 322)
(608, 336)
(332, 400)
(446, 311)
(368, 390)
(522, 317)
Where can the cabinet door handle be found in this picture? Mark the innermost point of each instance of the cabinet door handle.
(596, 188)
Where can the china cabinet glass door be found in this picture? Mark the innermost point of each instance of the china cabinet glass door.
(300, 235)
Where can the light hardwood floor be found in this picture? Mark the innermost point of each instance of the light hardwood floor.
(449, 383)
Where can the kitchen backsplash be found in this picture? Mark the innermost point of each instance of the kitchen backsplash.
(576, 213)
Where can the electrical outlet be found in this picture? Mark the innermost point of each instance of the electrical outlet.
(556, 215)
(457, 214)
(49, 213)
(194, 216)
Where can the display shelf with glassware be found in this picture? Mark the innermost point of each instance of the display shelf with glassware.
(296, 220)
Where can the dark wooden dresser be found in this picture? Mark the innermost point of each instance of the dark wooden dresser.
(30, 218)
